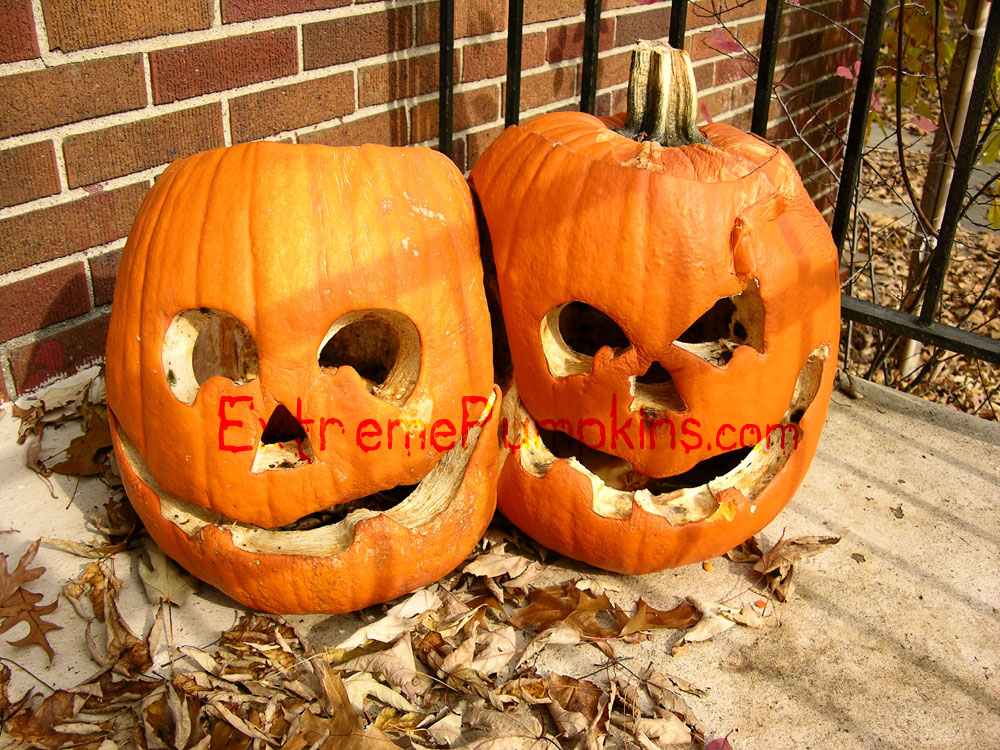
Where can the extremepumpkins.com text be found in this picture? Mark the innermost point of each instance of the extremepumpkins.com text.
(442, 434)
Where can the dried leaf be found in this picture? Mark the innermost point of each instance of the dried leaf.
(722, 743)
(362, 686)
(447, 730)
(18, 605)
(569, 606)
(516, 724)
(493, 566)
(497, 649)
(646, 618)
(82, 456)
(162, 579)
(576, 705)
(385, 630)
(786, 552)
(396, 666)
(664, 731)
(419, 602)
(557, 635)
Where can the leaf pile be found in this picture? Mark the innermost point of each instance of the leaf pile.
(454, 665)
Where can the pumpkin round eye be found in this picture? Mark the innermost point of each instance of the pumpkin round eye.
(573, 333)
(200, 344)
(381, 346)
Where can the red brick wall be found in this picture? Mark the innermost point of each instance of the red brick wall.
(95, 101)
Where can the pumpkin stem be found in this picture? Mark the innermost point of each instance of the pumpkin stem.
(662, 98)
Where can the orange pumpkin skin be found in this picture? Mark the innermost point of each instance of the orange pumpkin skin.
(654, 237)
(288, 239)
(292, 241)
(385, 559)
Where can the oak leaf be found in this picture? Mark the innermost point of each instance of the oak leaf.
(18, 605)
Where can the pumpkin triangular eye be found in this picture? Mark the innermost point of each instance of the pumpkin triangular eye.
(200, 344)
(382, 346)
(731, 322)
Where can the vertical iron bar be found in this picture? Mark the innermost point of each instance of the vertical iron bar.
(859, 122)
(678, 23)
(964, 162)
(591, 45)
(515, 23)
(446, 59)
(765, 67)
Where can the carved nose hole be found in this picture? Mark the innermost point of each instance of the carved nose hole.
(654, 393)
(282, 427)
(656, 373)
(284, 443)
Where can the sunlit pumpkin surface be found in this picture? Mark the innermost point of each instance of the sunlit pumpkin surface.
(646, 288)
(271, 299)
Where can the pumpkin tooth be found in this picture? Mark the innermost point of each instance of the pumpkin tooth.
(616, 486)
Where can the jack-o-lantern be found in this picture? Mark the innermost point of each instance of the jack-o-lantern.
(671, 302)
(299, 368)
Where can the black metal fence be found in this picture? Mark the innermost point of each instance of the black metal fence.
(922, 327)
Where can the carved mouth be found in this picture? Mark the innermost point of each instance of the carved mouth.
(681, 499)
(329, 531)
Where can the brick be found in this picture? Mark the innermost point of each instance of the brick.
(67, 228)
(387, 128)
(183, 72)
(33, 303)
(61, 353)
(103, 271)
(344, 40)
(471, 108)
(650, 24)
(4, 396)
(288, 107)
(479, 142)
(458, 153)
(704, 75)
(472, 18)
(613, 70)
(123, 149)
(234, 11)
(28, 172)
(566, 42)
(43, 99)
(72, 24)
(602, 104)
(545, 88)
(549, 10)
(489, 59)
(400, 79)
(619, 100)
(733, 69)
(718, 104)
(17, 31)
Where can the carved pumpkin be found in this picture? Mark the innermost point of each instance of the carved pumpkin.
(298, 358)
(668, 295)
